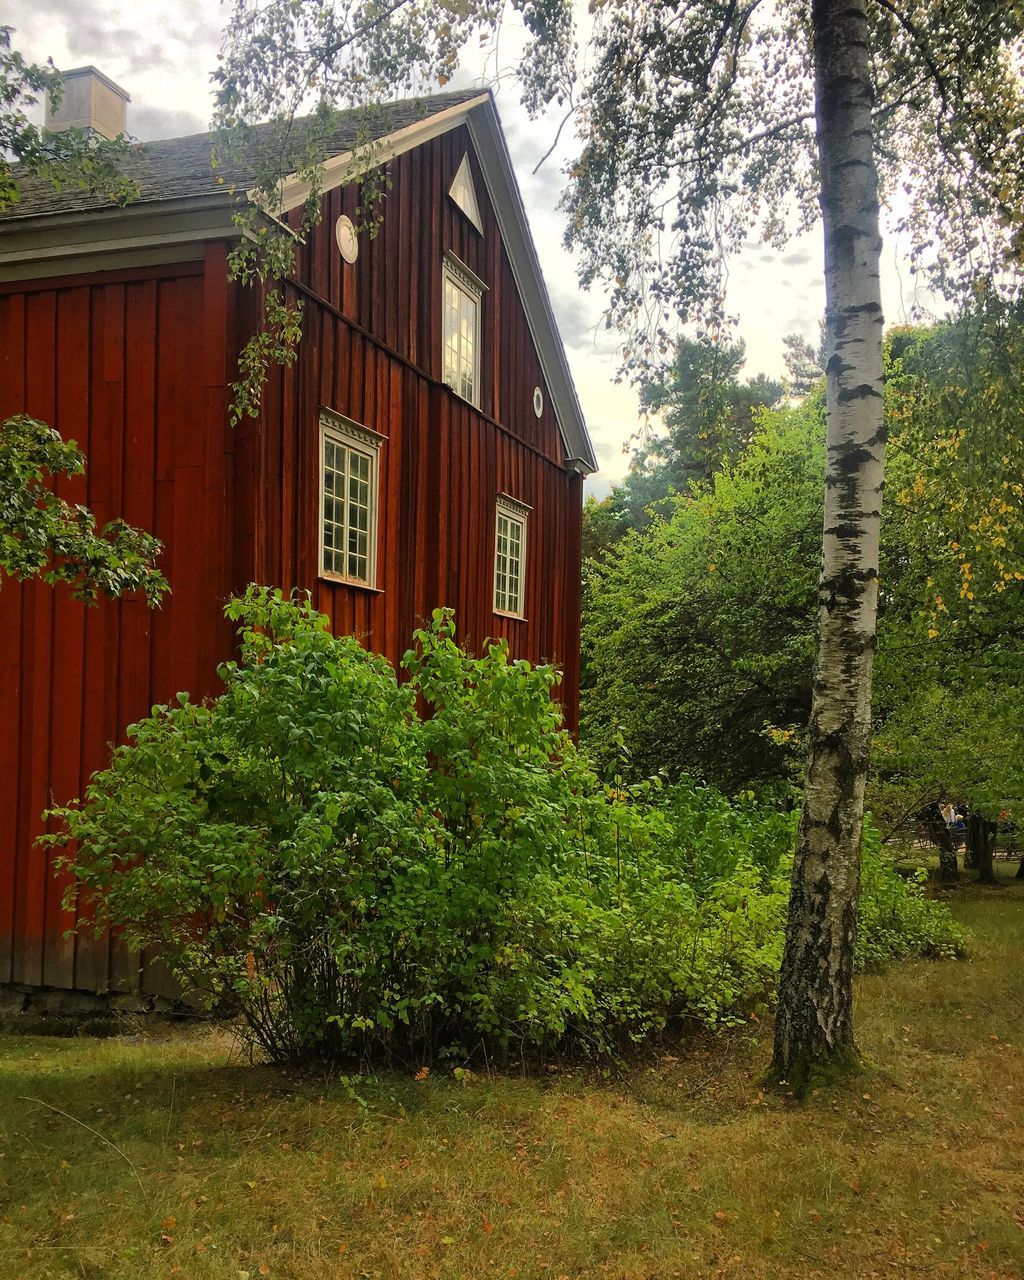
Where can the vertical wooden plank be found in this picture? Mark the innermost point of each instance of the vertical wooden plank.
(12, 400)
(138, 505)
(36, 648)
(408, 254)
(10, 766)
(214, 640)
(65, 769)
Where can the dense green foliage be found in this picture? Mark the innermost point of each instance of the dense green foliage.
(358, 865)
(951, 656)
(698, 632)
(44, 535)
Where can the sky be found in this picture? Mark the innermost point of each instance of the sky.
(163, 54)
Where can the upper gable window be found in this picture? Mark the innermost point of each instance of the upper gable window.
(349, 489)
(463, 193)
(461, 318)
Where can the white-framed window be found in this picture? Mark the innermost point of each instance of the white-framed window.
(349, 495)
(461, 328)
(510, 555)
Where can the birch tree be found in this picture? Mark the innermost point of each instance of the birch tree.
(699, 124)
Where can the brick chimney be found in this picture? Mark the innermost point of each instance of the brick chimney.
(90, 101)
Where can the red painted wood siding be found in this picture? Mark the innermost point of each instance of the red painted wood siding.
(393, 290)
(372, 351)
(442, 466)
(131, 366)
(135, 366)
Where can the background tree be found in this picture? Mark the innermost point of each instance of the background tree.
(952, 653)
(695, 131)
(707, 416)
(42, 535)
(708, 671)
(805, 363)
(698, 632)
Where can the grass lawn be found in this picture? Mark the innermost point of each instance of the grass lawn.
(183, 1161)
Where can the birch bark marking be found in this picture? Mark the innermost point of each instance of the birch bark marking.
(814, 1025)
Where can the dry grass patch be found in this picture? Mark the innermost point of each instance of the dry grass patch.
(198, 1166)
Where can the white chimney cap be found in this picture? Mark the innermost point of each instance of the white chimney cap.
(90, 101)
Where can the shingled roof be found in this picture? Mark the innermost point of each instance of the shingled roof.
(180, 168)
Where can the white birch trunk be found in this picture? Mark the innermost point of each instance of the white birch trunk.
(814, 1026)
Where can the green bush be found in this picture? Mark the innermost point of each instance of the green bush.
(896, 920)
(355, 865)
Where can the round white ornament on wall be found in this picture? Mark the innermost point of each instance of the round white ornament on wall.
(348, 241)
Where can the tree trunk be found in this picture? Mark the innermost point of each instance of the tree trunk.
(1020, 870)
(943, 841)
(814, 1024)
(949, 872)
(975, 836)
(986, 853)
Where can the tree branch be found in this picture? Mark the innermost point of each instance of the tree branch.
(922, 48)
(558, 133)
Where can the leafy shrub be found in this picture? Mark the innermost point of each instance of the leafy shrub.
(896, 920)
(355, 865)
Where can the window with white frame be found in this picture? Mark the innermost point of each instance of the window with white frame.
(349, 485)
(462, 294)
(510, 556)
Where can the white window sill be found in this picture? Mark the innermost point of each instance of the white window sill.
(338, 580)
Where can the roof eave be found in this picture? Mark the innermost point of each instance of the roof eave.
(144, 233)
(293, 191)
(503, 189)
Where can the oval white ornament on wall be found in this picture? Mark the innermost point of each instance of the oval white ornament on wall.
(348, 241)
(538, 401)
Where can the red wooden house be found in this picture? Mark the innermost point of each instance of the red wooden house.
(427, 448)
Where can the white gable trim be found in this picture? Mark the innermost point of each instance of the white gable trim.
(503, 191)
(338, 169)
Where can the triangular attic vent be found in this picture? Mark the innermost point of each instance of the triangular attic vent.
(463, 193)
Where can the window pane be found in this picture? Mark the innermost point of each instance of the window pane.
(508, 563)
(348, 495)
(461, 321)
